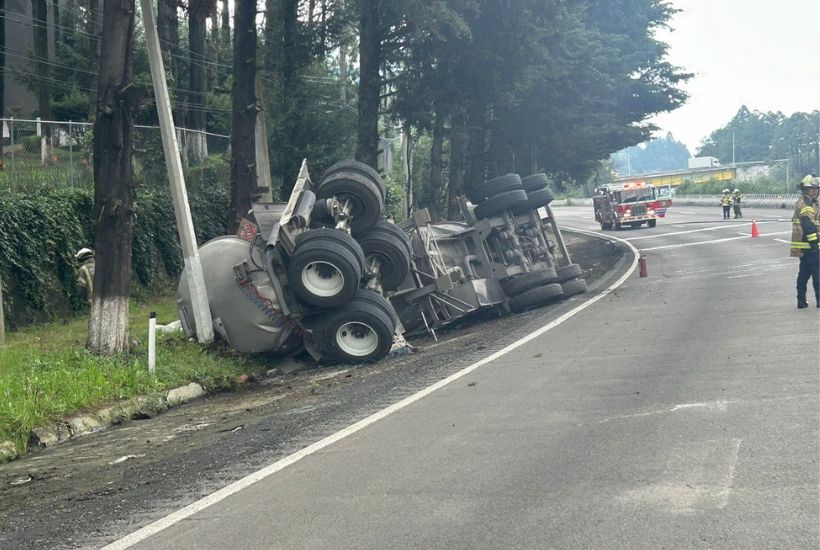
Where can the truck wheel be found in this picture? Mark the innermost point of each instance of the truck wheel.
(573, 287)
(518, 284)
(536, 297)
(652, 223)
(539, 197)
(361, 168)
(392, 253)
(501, 202)
(493, 187)
(534, 182)
(567, 272)
(323, 272)
(358, 332)
(335, 235)
(364, 195)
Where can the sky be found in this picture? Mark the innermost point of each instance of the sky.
(760, 53)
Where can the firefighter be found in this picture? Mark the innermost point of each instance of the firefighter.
(804, 244)
(736, 203)
(726, 203)
(85, 275)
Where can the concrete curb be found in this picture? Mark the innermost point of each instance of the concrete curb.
(83, 424)
(144, 406)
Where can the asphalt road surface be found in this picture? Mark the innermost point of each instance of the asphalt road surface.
(679, 410)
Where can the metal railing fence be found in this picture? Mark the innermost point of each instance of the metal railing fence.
(31, 161)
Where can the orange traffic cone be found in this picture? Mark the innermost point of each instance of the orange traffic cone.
(755, 232)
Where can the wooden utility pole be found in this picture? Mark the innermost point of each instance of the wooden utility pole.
(185, 224)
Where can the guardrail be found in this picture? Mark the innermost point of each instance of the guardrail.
(751, 200)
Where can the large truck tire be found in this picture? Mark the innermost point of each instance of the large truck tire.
(391, 251)
(361, 168)
(536, 297)
(491, 188)
(360, 331)
(567, 272)
(501, 202)
(364, 194)
(324, 272)
(521, 283)
(534, 181)
(573, 287)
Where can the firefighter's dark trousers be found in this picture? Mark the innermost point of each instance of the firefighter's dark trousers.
(726, 210)
(809, 269)
(737, 211)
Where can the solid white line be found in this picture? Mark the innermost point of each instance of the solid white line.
(711, 242)
(235, 487)
(660, 235)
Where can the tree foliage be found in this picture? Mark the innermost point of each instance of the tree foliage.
(767, 136)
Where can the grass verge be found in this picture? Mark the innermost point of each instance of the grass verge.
(46, 374)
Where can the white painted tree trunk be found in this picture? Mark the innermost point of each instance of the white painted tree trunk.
(108, 326)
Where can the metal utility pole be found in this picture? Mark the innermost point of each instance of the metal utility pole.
(179, 194)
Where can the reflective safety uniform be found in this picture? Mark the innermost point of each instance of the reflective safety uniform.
(85, 280)
(736, 204)
(805, 245)
(726, 203)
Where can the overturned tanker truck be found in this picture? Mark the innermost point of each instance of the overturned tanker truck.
(327, 273)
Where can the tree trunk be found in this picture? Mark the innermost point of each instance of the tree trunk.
(39, 16)
(435, 166)
(367, 146)
(168, 31)
(2, 78)
(55, 18)
(213, 48)
(343, 49)
(93, 32)
(245, 107)
(477, 152)
(455, 185)
(273, 38)
(197, 14)
(113, 181)
(225, 35)
(290, 45)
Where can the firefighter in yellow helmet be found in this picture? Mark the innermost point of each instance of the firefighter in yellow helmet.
(726, 203)
(805, 243)
(736, 196)
(85, 276)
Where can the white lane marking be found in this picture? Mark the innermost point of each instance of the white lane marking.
(784, 241)
(720, 406)
(680, 245)
(235, 487)
(702, 229)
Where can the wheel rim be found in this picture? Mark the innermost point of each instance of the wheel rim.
(322, 279)
(357, 339)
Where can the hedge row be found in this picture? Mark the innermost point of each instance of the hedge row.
(40, 235)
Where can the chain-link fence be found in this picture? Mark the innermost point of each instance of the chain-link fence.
(38, 155)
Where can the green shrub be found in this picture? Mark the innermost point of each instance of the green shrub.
(39, 236)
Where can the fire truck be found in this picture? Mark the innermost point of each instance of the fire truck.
(631, 203)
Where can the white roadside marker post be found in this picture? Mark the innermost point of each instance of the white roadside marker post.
(152, 343)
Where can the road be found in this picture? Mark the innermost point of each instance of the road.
(678, 410)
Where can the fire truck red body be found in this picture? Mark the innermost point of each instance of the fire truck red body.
(631, 203)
